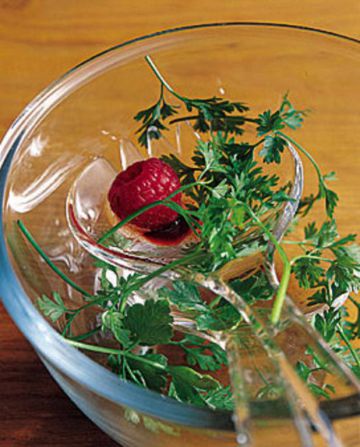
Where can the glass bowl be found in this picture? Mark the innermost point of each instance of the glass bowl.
(88, 114)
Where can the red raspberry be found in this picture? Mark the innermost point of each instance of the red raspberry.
(143, 183)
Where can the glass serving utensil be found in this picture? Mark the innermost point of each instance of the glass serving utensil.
(296, 393)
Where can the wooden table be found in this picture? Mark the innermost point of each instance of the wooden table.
(39, 40)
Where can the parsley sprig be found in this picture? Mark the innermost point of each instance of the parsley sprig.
(216, 114)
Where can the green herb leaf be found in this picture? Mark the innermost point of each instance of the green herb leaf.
(269, 122)
(149, 323)
(220, 399)
(188, 383)
(254, 288)
(52, 308)
(153, 378)
(208, 356)
(331, 198)
(345, 269)
(114, 321)
(223, 317)
(152, 120)
(290, 116)
(308, 271)
(184, 295)
(273, 147)
(326, 324)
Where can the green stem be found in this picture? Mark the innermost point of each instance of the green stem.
(258, 143)
(305, 152)
(348, 344)
(145, 208)
(228, 118)
(77, 311)
(297, 258)
(161, 78)
(131, 374)
(103, 350)
(281, 293)
(68, 325)
(269, 234)
(284, 282)
(262, 377)
(48, 261)
(86, 334)
(161, 93)
(187, 215)
(295, 243)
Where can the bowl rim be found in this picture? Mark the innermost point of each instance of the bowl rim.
(43, 337)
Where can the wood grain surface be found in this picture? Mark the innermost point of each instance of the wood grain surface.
(39, 40)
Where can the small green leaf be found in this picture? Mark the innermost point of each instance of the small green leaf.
(220, 318)
(188, 383)
(220, 399)
(269, 122)
(184, 295)
(150, 323)
(356, 370)
(318, 391)
(114, 321)
(303, 370)
(154, 378)
(221, 189)
(331, 200)
(290, 116)
(330, 176)
(208, 356)
(191, 377)
(238, 215)
(254, 288)
(272, 149)
(54, 309)
(307, 271)
(326, 324)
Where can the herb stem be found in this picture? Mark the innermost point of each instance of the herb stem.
(161, 78)
(348, 344)
(48, 261)
(227, 118)
(103, 350)
(77, 311)
(258, 143)
(284, 282)
(86, 334)
(305, 152)
(320, 258)
(281, 293)
(187, 215)
(295, 243)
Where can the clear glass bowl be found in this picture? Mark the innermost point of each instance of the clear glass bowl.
(88, 113)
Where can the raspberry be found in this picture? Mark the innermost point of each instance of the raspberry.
(143, 183)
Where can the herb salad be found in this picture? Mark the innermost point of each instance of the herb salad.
(226, 194)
